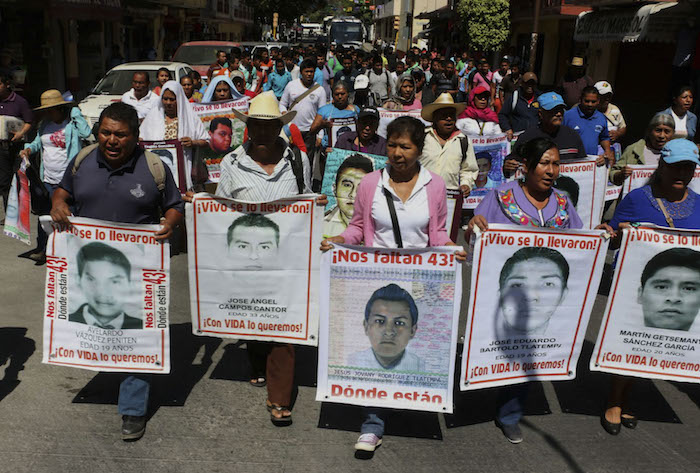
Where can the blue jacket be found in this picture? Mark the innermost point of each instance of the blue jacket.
(691, 123)
(521, 116)
(277, 82)
(76, 130)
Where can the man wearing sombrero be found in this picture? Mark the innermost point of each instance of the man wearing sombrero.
(61, 131)
(447, 151)
(264, 169)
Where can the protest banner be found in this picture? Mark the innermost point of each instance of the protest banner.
(612, 192)
(491, 152)
(650, 327)
(225, 130)
(388, 116)
(532, 293)
(107, 295)
(454, 213)
(584, 184)
(641, 173)
(19, 207)
(342, 189)
(254, 268)
(339, 126)
(170, 151)
(389, 322)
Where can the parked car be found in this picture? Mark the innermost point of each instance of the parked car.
(201, 54)
(118, 80)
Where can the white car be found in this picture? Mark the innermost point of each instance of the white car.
(118, 80)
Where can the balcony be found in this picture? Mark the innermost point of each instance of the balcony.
(524, 9)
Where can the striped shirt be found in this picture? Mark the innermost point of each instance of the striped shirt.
(244, 179)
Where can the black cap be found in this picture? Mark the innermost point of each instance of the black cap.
(368, 112)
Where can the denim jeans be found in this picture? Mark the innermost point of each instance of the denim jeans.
(374, 422)
(41, 236)
(510, 401)
(133, 395)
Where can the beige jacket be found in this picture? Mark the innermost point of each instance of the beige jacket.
(447, 161)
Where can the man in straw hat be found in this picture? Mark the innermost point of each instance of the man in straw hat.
(574, 81)
(58, 141)
(15, 106)
(447, 151)
(264, 169)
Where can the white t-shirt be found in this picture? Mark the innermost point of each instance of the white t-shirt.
(307, 108)
(651, 156)
(54, 153)
(681, 125)
(412, 215)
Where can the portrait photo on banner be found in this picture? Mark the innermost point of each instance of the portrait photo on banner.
(220, 144)
(170, 152)
(105, 284)
(532, 295)
(584, 184)
(338, 128)
(491, 152)
(344, 171)
(252, 263)
(651, 327)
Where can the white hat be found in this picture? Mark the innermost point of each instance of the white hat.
(361, 82)
(265, 107)
(603, 87)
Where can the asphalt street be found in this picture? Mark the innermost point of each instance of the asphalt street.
(206, 417)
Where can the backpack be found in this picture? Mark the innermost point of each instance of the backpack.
(464, 144)
(155, 165)
(297, 167)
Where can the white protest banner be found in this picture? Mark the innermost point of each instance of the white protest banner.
(170, 152)
(340, 126)
(389, 327)
(388, 116)
(19, 207)
(641, 174)
(454, 212)
(107, 296)
(612, 192)
(254, 268)
(225, 130)
(532, 293)
(584, 184)
(342, 189)
(491, 152)
(650, 327)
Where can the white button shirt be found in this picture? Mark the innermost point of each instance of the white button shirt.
(413, 215)
(446, 161)
(307, 108)
(142, 106)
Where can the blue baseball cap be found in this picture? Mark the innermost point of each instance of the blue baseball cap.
(680, 149)
(550, 100)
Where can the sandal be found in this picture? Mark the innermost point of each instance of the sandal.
(258, 382)
(278, 421)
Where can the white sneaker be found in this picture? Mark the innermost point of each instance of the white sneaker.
(368, 443)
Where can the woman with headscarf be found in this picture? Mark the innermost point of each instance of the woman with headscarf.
(478, 118)
(660, 131)
(220, 89)
(172, 118)
(404, 97)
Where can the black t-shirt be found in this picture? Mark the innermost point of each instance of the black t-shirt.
(567, 140)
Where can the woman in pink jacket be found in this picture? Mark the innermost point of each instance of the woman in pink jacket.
(419, 200)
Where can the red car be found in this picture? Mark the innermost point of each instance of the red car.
(201, 54)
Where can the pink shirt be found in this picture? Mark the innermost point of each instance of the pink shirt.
(479, 80)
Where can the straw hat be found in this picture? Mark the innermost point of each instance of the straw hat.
(51, 98)
(445, 100)
(265, 107)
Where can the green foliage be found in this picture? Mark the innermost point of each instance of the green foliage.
(486, 22)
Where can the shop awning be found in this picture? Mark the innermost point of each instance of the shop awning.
(444, 13)
(656, 22)
(425, 33)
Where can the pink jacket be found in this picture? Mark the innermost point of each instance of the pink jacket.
(361, 227)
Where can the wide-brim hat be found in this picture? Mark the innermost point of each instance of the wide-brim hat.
(445, 100)
(52, 98)
(265, 107)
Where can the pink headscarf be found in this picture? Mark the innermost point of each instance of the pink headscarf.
(485, 115)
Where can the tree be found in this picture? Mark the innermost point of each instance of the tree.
(486, 22)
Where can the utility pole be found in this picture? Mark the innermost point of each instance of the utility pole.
(534, 36)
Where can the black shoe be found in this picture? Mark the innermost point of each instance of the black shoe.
(629, 422)
(133, 427)
(612, 429)
(511, 431)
